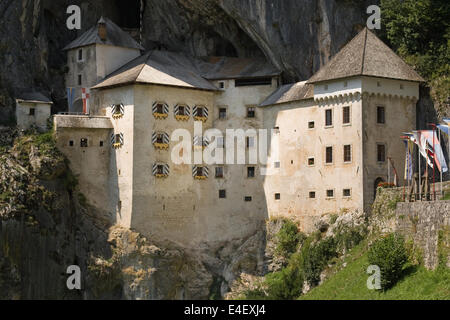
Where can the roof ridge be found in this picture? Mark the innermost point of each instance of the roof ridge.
(364, 51)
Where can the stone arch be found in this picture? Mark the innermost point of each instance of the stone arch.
(375, 185)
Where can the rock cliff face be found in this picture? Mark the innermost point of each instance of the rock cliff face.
(298, 36)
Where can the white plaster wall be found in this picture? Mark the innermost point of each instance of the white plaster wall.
(39, 119)
(111, 58)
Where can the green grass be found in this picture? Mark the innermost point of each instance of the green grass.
(349, 283)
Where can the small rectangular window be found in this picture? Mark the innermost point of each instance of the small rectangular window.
(32, 111)
(250, 172)
(101, 143)
(328, 118)
(222, 194)
(277, 165)
(251, 112)
(219, 172)
(80, 55)
(347, 193)
(71, 144)
(311, 161)
(80, 80)
(221, 85)
(381, 153)
(312, 195)
(222, 113)
(330, 193)
(329, 155)
(347, 153)
(248, 199)
(277, 196)
(346, 115)
(381, 115)
(311, 125)
(84, 143)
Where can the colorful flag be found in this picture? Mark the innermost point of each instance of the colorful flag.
(85, 95)
(421, 142)
(70, 95)
(435, 146)
(408, 160)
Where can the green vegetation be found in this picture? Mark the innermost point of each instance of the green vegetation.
(390, 255)
(350, 283)
(419, 31)
(288, 238)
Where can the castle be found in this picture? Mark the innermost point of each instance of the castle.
(334, 134)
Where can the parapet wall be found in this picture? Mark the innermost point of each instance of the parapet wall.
(422, 222)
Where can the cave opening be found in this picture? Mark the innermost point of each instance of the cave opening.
(129, 13)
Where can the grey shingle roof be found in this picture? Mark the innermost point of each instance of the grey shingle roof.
(159, 67)
(34, 97)
(115, 37)
(366, 55)
(290, 92)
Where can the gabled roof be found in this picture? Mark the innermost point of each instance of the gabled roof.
(366, 55)
(290, 92)
(222, 68)
(158, 67)
(115, 37)
(34, 97)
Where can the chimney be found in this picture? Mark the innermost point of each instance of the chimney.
(102, 33)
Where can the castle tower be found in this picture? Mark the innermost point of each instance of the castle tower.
(94, 55)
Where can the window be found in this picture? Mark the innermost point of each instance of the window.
(118, 111)
(253, 82)
(277, 196)
(182, 110)
(348, 153)
(345, 84)
(80, 80)
(222, 113)
(117, 140)
(32, 111)
(200, 113)
(381, 115)
(250, 172)
(346, 115)
(251, 112)
(248, 199)
(222, 194)
(84, 143)
(311, 162)
(101, 143)
(160, 169)
(330, 193)
(325, 87)
(277, 165)
(160, 110)
(219, 172)
(250, 142)
(381, 153)
(312, 195)
(311, 125)
(378, 84)
(80, 55)
(160, 138)
(347, 193)
(329, 155)
(221, 85)
(71, 143)
(402, 87)
(200, 173)
(328, 118)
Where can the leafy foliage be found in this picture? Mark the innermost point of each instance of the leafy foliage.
(288, 238)
(390, 255)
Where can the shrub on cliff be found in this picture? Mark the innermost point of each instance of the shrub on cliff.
(286, 284)
(390, 255)
(289, 237)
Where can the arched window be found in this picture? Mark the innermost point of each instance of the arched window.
(376, 184)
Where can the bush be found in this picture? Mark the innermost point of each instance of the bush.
(286, 284)
(314, 258)
(288, 238)
(390, 255)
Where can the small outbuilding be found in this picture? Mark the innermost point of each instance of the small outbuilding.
(33, 109)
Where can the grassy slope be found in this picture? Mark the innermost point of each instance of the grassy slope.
(350, 283)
